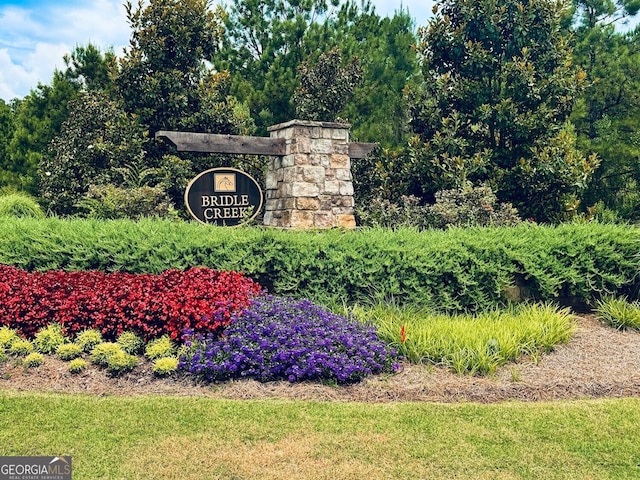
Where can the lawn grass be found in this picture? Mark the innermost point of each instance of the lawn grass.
(200, 438)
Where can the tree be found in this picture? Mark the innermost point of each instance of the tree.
(266, 41)
(38, 117)
(89, 68)
(164, 78)
(326, 86)
(607, 117)
(498, 89)
(96, 141)
(6, 132)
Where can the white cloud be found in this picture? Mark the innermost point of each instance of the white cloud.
(33, 42)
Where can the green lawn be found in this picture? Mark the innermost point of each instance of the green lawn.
(199, 438)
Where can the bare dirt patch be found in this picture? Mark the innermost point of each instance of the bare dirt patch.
(598, 362)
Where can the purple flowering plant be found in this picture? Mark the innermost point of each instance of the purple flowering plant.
(285, 339)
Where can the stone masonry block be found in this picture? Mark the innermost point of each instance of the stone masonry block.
(339, 160)
(323, 220)
(346, 188)
(340, 148)
(340, 134)
(312, 174)
(331, 187)
(346, 221)
(301, 219)
(321, 145)
(307, 203)
(302, 159)
(343, 174)
(288, 161)
(304, 189)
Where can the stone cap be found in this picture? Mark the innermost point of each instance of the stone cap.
(308, 123)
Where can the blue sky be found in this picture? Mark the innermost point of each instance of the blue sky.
(35, 34)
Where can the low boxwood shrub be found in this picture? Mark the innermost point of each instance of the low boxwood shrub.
(3, 356)
(165, 366)
(33, 360)
(619, 313)
(101, 353)
(21, 347)
(68, 351)
(120, 362)
(7, 336)
(282, 338)
(48, 339)
(159, 348)
(130, 342)
(149, 305)
(88, 339)
(77, 365)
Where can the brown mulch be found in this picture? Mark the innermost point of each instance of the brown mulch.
(598, 362)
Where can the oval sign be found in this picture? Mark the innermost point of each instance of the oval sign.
(223, 196)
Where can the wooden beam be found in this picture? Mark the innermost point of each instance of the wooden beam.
(360, 149)
(242, 144)
(217, 143)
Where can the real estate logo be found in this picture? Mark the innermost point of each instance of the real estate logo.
(35, 468)
(223, 196)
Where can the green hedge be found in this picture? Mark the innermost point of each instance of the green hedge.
(454, 270)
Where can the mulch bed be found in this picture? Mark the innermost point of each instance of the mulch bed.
(599, 362)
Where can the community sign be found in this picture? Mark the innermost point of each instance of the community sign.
(223, 196)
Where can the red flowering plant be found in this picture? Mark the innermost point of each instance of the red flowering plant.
(200, 299)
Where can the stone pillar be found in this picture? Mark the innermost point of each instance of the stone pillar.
(311, 185)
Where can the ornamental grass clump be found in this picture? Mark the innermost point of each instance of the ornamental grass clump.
(101, 353)
(165, 366)
(159, 348)
(120, 362)
(77, 365)
(295, 340)
(619, 313)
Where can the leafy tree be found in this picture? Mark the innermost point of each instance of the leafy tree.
(607, 117)
(6, 132)
(38, 117)
(326, 86)
(498, 89)
(164, 78)
(96, 141)
(266, 41)
(89, 67)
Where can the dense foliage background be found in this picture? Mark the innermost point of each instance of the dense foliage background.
(532, 104)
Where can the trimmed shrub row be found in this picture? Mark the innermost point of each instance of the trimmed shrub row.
(150, 305)
(454, 271)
